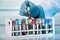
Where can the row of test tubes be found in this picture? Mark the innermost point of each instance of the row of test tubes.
(31, 26)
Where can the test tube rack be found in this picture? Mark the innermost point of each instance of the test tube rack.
(30, 27)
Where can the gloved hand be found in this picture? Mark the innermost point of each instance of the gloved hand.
(35, 10)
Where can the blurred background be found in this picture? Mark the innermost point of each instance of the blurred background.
(10, 9)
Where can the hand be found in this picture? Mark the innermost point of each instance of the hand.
(36, 11)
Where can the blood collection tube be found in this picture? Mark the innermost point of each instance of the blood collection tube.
(13, 26)
(23, 27)
(26, 24)
(34, 25)
(16, 27)
(20, 22)
(40, 22)
(43, 24)
(23, 24)
(50, 23)
(50, 26)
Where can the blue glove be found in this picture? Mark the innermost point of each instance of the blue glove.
(53, 9)
(36, 11)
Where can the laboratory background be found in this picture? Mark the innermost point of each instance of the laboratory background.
(11, 9)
